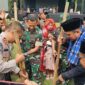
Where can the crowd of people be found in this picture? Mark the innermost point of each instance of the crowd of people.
(39, 38)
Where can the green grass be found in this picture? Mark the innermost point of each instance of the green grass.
(47, 82)
(50, 82)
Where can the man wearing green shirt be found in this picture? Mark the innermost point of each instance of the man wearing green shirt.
(31, 43)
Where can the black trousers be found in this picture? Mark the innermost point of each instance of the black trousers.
(28, 68)
(8, 76)
(77, 73)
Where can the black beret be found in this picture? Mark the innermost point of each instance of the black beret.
(32, 17)
(82, 47)
(71, 24)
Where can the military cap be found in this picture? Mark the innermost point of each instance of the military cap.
(32, 16)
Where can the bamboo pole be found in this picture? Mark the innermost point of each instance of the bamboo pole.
(3, 12)
(15, 10)
(82, 6)
(3, 5)
(21, 64)
(76, 1)
(59, 46)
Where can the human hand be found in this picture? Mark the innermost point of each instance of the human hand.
(60, 40)
(24, 75)
(82, 62)
(54, 53)
(60, 78)
(19, 58)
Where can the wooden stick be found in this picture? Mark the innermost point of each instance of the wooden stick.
(21, 64)
(3, 5)
(3, 10)
(15, 10)
(59, 46)
(76, 1)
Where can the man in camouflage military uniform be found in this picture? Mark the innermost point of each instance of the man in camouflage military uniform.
(31, 43)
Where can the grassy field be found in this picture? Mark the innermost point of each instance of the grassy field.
(50, 82)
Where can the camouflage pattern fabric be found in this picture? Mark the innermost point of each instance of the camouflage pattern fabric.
(33, 61)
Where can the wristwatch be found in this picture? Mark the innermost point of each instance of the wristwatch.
(26, 54)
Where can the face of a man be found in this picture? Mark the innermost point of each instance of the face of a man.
(77, 33)
(2, 25)
(31, 24)
(43, 16)
(10, 36)
(73, 35)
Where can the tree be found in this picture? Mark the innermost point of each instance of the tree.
(10, 4)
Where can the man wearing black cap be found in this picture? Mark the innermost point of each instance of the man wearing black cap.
(73, 30)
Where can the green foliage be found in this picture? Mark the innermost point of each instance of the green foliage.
(10, 4)
(48, 82)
